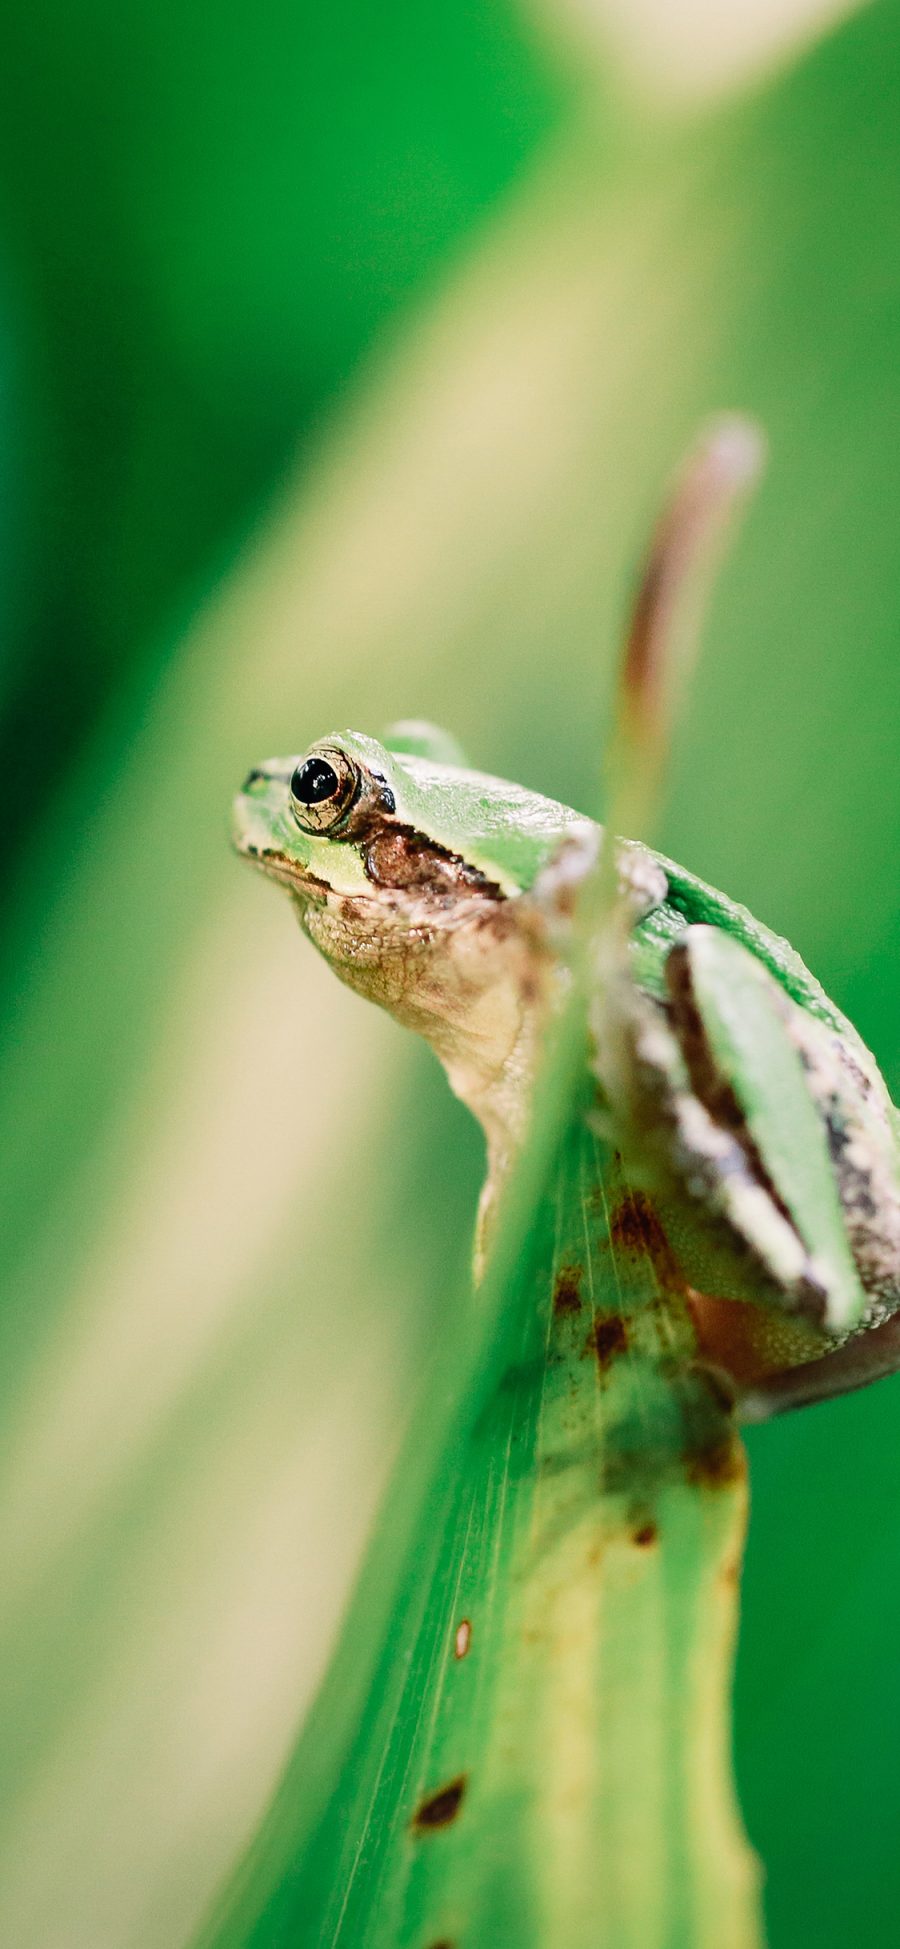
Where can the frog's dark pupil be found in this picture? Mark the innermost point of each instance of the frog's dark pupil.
(314, 781)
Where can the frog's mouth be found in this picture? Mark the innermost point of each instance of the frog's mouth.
(289, 873)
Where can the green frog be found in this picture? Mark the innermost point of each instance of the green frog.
(714, 1233)
(741, 1098)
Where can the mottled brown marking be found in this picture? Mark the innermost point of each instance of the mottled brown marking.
(398, 856)
(635, 1227)
(608, 1338)
(440, 1808)
(567, 1290)
(444, 1943)
(462, 1638)
(645, 1536)
(707, 1082)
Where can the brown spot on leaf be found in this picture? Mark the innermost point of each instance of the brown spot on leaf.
(440, 1808)
(462, 1638)
(635, 1227)
(608, 1338)
(567, 1290)
(716, 1464)
(645, 1536)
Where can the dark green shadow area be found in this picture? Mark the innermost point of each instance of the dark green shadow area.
(207, 217)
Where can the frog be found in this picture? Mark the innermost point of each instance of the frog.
(742, 1100)
(690, 1218)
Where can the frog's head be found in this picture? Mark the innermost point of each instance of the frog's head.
(408, 871)
(409, 833)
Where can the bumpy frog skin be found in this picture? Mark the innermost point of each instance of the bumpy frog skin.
(739, 1095)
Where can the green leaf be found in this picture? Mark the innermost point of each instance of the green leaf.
(524, 1734)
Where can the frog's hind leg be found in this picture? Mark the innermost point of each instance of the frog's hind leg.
(734, 1026)
(710, 1091)
(866, 1357)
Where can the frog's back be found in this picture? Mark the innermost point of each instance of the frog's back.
(699, 904)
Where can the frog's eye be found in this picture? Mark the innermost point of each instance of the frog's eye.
(323, 788)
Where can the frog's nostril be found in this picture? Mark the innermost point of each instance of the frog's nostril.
(252, 779)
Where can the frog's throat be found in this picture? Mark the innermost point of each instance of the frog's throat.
(473, 979)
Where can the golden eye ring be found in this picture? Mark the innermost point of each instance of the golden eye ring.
(324, 786)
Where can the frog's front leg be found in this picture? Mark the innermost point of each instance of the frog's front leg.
(770, 1151)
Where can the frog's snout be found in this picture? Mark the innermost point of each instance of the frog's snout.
(250, 825)
(239, 834)
(261, 821)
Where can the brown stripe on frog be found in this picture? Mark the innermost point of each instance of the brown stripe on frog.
(399, 856)
(713, 1089)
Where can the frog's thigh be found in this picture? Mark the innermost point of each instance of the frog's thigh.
(732, 1022)
(753, 1343)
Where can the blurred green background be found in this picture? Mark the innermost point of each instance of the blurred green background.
(343, 357)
